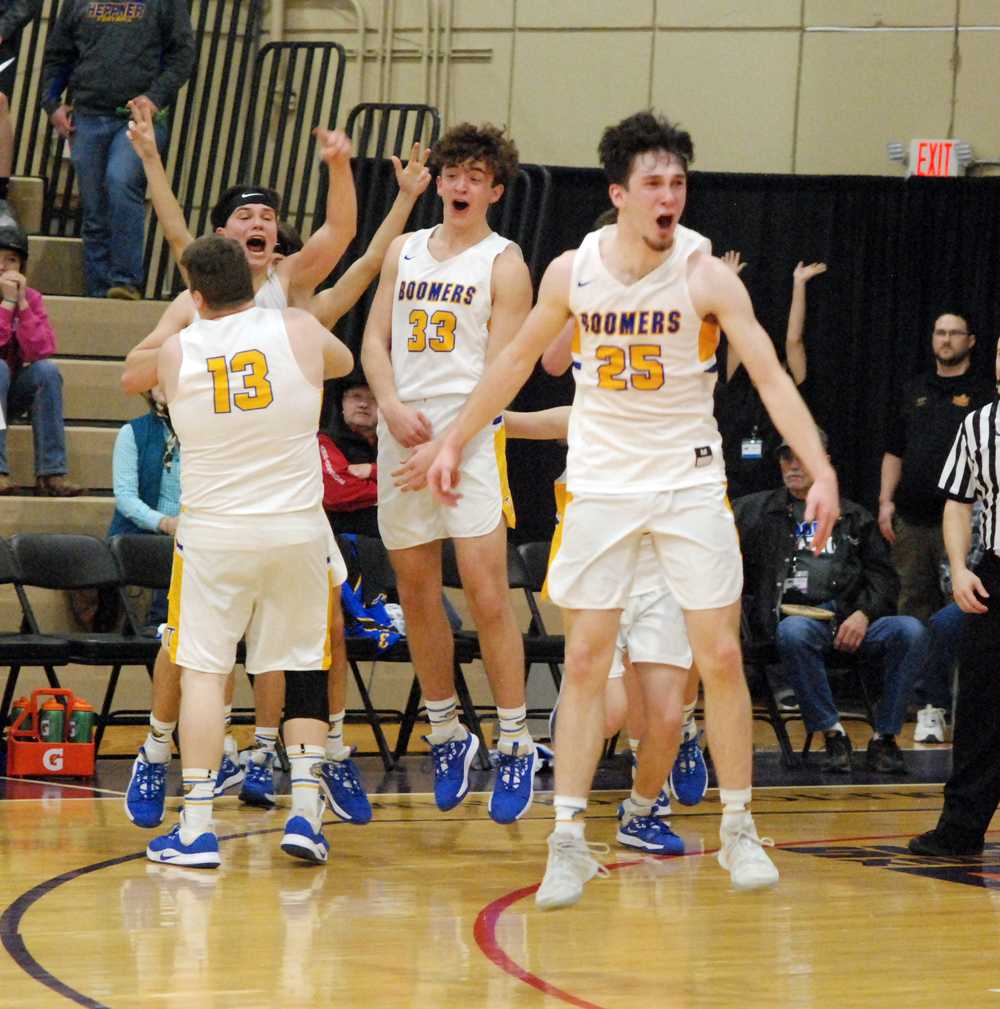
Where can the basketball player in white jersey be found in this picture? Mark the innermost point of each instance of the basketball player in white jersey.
(653, 642)
(645, 458)
(448, 300)
(253, 556)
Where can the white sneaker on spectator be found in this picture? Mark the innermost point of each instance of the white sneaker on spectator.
(571, 864)
(742, 853)
(931, 725)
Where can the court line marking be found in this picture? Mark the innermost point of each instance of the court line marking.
(484, 930)
(58, 784)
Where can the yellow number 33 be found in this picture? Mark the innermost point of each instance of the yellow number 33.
(256, 393)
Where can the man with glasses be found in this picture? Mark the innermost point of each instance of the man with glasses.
(917, 443)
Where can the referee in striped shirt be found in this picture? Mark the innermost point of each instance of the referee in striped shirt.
(972, 794)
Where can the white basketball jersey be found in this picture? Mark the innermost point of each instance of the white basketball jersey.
(644, 365)
(440, 317)
(271, 294)
(247, 418)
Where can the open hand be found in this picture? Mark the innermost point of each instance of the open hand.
(415, 177)
(803, 274)
(733, 261)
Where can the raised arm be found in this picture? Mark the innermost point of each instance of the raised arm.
(331, 305)
(304, 271)
(140, 364)
(716, 290)
(795, 348)
(168, 210)
(505, 375)
(511, 293)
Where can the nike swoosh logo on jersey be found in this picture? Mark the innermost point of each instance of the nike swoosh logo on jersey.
(584, 283)
(405, 256)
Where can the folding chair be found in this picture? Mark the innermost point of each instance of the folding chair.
(70, 562)
(18, 649)
(376, 569)
(539, 645)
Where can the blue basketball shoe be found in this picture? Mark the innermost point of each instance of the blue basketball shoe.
(201, 853)
(452, 761)
(230, 773)
(147, 792)
(513, 786)
(649, 833)
(341, 785)
(689, 777)
(301, 841)
(258, 785)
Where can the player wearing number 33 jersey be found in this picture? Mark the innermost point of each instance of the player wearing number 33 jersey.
(442, 310)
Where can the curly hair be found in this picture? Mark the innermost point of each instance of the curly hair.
(641, 132)
(487, 143)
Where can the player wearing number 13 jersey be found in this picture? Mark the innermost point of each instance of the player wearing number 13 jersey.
(644, 461)
(252, 555)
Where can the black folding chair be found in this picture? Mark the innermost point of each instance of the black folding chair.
(377, 573)
(69, 562)
(539, 645)
(18, 649)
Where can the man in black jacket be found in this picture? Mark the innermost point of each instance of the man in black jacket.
(110, 54)
(844, 599)
(14, 15)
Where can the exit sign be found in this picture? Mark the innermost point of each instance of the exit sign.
(934, 158)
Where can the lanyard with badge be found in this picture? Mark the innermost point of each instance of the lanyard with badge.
(752, 448)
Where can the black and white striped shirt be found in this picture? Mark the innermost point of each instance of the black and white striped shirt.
(972, 469)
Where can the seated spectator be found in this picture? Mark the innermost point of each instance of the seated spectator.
(29, 381)
(349, 452)
(842, 599)
(146, 473)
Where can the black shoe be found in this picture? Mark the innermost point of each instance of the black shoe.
(939, 845)
(838, 753)
(884, 756)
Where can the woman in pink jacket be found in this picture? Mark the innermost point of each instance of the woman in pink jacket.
(29, 381)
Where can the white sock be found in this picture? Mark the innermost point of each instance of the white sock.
(514, 729)
(196, 817)
(734, 802)
(689, 729)
(159, 744)
(266, 740)
(836, 728)
(569, 814)
(443, 716)
(335, 748)
(305, 786)
(228, 712)
(637, 805)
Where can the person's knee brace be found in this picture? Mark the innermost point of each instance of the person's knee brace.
(305, 694)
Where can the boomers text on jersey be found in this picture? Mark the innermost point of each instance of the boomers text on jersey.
(644, 365)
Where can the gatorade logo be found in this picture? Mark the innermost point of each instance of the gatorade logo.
(53, 759)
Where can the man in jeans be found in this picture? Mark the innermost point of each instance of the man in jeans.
(842, 599)
(110, 54)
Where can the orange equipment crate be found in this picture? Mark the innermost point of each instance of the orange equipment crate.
(28, 757)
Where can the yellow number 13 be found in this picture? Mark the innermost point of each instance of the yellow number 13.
(256, 393)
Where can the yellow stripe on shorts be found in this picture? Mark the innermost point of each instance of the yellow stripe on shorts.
(500, 448)
(332, 592)
(563, 498)
(171, 633)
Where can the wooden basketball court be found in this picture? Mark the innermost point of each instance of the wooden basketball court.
(422, 909)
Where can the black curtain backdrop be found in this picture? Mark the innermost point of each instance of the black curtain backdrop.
(899, 252)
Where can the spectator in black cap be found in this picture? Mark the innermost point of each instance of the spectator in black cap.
(842, 599)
